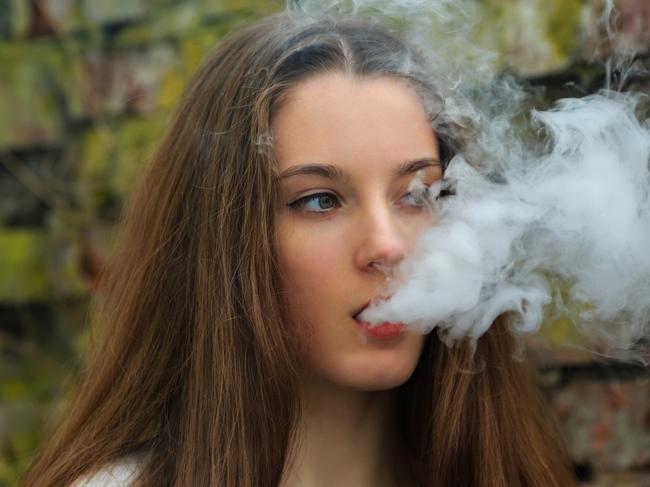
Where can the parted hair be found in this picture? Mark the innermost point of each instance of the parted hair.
(194, 361)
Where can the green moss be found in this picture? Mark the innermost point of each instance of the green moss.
(72, 19)
(38, 265)
(171, 88)
(23, 263)
(108, 11)
(546, 42)
(65, 254)
(112, 156)
(199, 42)
(560, 323)
(562, 25)
(171, 21)
(69, 75)
(138, 139)
(492, 32)
(19, 17)
(27, 94)
(38, 80)
(249, 7)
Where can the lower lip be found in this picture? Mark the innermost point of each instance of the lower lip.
(383, 331)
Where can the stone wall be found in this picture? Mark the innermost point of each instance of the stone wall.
(85, 89)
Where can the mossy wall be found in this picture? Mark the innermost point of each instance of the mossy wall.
(86, 88)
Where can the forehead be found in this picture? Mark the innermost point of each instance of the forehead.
(356, 123)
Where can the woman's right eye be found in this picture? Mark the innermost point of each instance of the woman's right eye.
(316, 203)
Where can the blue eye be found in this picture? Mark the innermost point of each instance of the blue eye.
(417, 199)
(317, 203)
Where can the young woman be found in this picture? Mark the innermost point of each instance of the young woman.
(267, 220)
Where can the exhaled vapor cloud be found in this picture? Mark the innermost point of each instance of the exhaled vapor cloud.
(572, 203)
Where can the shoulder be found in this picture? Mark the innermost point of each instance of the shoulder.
(120, 473)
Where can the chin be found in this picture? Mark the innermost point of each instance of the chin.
(381, 380)
(374, 365)
(373, 373)
(381, 384)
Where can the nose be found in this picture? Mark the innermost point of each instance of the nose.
(382, 244)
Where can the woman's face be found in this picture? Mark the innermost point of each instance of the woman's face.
(347, 150)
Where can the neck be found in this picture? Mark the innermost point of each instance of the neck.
(346, 438)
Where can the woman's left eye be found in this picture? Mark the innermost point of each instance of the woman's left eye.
(416, 199)
(316, 203)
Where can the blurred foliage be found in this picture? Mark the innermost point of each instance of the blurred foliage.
(86, 88)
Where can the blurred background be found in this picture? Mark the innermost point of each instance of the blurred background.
(86, 87)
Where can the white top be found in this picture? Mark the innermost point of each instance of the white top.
(118, 474)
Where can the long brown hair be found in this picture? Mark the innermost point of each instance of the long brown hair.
(195, 363)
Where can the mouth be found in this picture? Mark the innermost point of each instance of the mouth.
(380, 331)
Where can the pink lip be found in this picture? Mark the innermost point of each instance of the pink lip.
(382, 331)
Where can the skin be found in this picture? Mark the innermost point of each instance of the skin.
(331, 234)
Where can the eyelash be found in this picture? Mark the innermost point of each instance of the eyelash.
(300, 203)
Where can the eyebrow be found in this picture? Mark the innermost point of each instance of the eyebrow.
(333, 172)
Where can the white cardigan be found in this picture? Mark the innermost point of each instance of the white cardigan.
(118, 474)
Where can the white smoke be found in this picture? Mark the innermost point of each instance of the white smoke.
(571, 203)
(581, 212)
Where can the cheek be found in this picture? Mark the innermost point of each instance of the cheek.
(314, 268)
(312, 264)
(425, 221)
(417, 226)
